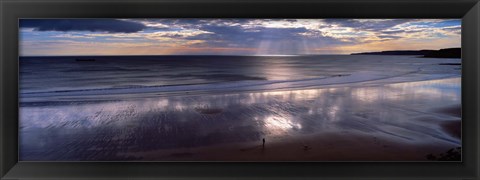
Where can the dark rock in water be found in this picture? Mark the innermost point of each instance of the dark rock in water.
(431, 157)
(454, 154)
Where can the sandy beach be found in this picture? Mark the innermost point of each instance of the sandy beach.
(320, 147)
(375, 115)
(303, 128)
(328, 145)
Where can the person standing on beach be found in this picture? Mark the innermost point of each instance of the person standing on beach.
(263, 146)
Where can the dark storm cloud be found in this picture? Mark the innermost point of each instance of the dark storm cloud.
(92, 25)
(279, 40)
(237, 36)
(393, 32)
(230, 31)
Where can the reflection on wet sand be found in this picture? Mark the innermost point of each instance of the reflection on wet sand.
(405, 113)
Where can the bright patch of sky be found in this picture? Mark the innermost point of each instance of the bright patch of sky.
(57, 37)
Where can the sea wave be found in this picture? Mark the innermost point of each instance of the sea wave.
(358, 77)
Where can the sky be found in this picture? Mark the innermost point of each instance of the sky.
(63, 37)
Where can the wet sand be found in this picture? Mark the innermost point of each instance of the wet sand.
(324, 146)
(453, 127)
(343, 146)
(398, 121)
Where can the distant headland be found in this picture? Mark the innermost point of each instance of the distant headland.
(442, 53)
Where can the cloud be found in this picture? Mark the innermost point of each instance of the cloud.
(241, 36)
(175, 34)
(367, 24)
(92, 25)
(231, 35)
(71, 36)
(453, 29)
(389, 37)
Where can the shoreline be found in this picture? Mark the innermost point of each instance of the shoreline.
(361, 84)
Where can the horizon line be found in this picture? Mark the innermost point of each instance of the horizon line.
(266, 55)
(279, 55)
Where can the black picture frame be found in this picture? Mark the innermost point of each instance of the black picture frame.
(12, 10)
